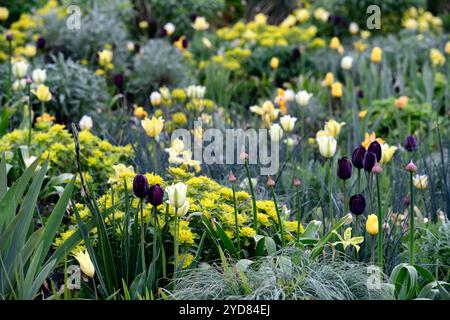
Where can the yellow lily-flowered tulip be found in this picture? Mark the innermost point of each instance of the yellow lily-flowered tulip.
(153, 127)
(105, 57)
(363, 113)
(274, 63)
(139, 112)
(329, 79)
(376, 55)
(347, 240)
(387, 152)
(420, 181)
(267, 112)
(86, 264)
(436, 57)
(335, 43)
(336, 90)
(372, 225)
(42, 93)
(4, 13)
(333, 127)
(369, 138)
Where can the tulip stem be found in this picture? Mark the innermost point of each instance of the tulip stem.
(345, 199)
(30, 114)
(236, 222)
(175, 249)
(155, 160)
(155, 233)
(411, 220)
(359, 181)
(380, 226)
(142, 235)
(8, 86)
(299, 214)
(330, 190)
(280, 222)
(255, 217)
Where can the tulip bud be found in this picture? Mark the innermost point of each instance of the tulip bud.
(231, 177)
(377, 169)
(375, 147)
(357, 204)
(344, 168)
(155, 195)
(372, 225)
(410, 143)
(270, 182)
(9, 36)
(297, 182)
(407, 200)
(40, 43)
(411, 167)
(369, 161)
(118, 80)
(86, 264)
(358, 157)
(140, 186)
(385, 226)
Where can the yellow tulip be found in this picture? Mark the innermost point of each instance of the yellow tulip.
(139, 112)
(43, 93)
(4, 13)
(333, 127)
(360, 46)
(200, 24)
(336, 90)
(420, 181)
(274, 63)
(436, 57)
(329, 79)
(447, 47)
(153, 127)
(86, 264)
(387, 153)
(376, 55)
(363, 113)
(372, 225)
(143, 24)
(369, 138)
(30, 50)
(105, 57)
(335, 43)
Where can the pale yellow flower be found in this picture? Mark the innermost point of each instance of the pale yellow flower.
(86, 264)
(153, 127)
(42, 93)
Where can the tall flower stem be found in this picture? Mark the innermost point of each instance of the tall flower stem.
(280, 221)
(155, 238)
(330, 191)
(411, 220)
(380, 226)
(155, 160)
(299, 214)
(255, 218)
(9, 81)
(345, 199)
(141, 203)
(236, 222)
(30, 114)
(359, 181)
(175, 248)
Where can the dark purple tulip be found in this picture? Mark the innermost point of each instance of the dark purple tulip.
(375, 147)
(410, 143)
(369, 161)
(357, 204)
(358, 157)
(9, 36)
(155, 195)
(140, 186)
(40, 43)
(185, 43)
(344, 168)
(360, 94)
(118, 80)
(296, 54)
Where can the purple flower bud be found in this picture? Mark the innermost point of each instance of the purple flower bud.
(369, 161)
(411, 167)
(377, 169)
(9, 36)
(118, 80)
(357, 204)
(358, 157)
(360, 94)
(410, 143)
(155, 195)
(344, 168)
(375, 147)
(140, 186)
(185, 43)
(40, 43)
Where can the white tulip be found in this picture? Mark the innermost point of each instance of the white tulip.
(177, 195)
(39, 76)
(244, 184)
(303, 97)
(276, 133)
(183, 210)
(169, 28)
(130, 46)
(20, 69)
(353, 28)
(86, 123)
(155, 98)
(19, 85)
(346, 63)
(289, 95)
(196, 92)
(288, 123)
(327, 146)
